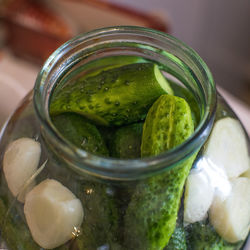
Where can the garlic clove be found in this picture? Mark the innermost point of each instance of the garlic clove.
(52, 213)
(20, 162)
(198, 196)
(230, 216)
(227, 147)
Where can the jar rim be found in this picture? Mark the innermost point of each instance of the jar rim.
(113, 168)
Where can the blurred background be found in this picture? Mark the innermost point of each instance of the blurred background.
(218, 30)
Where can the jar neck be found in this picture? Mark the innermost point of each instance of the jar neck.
(176, 59)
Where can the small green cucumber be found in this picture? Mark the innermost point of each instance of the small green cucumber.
(101, 216)
(168, 124)
(151, 216)
(126, 142)
(113, 97)
(80, 132)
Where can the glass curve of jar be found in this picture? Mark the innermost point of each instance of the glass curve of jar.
(154, 202)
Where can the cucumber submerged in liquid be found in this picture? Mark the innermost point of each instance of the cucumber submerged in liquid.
(151, 216)
(126, 142)
(113, 97)
(80, 132)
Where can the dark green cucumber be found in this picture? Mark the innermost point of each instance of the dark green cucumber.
(14, 231)
(126, 142)
(101, 216)
(113, 97)
(80, 132)
(202, 236)
(177, 240)
(168, 124)
(97, 66)
(151, 216)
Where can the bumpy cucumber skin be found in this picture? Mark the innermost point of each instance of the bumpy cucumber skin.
(184, 93)
(152, 213)
(168, 124)
(114, 97)
(126, 142)
(177, 240)
(81, 133)
(202, 236)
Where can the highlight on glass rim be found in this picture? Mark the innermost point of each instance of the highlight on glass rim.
(124, 144)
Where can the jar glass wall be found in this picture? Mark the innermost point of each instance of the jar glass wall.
(141, 203)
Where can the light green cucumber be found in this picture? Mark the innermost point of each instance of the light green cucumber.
(126, 142)
(151, 216)
(189, 97)
(80, 132)
(168, 124)
(113, 97)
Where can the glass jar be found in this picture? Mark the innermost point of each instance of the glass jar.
(154, 202)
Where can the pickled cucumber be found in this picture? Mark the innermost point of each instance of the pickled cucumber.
(126, 142)
(168, 124)
(101, 216)
(113, 97)
(151, 216)
(152, 213)
(80, 132)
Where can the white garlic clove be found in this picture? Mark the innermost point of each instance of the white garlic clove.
(227, 147)
(198, 196)
(20, 162)
(52, 213)
(230, 216)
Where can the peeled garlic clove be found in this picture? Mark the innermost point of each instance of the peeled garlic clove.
(227, 147)
(52, 213)
(198, 196)
(230, 216)
(20, 162)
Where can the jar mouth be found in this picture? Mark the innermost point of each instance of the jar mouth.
(66, 56)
